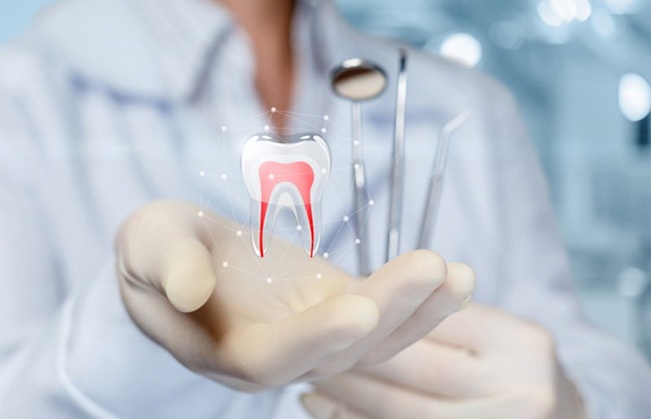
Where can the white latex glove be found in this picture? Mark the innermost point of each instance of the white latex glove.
(228, 324)
(480, 363)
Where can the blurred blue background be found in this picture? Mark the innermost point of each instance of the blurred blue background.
(581, 71)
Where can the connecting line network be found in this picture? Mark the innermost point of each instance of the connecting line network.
(221, 179)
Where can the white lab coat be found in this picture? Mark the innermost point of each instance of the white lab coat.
(106, 105)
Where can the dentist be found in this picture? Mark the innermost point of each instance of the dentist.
(114, 299)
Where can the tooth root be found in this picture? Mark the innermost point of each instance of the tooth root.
(286, 175)
(276, 177)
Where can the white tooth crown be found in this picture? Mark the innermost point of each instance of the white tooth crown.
(286, 174)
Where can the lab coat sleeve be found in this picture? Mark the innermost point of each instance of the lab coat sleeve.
(66, 351)
(614, 380)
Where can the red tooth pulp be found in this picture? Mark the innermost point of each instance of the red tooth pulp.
(301, 175)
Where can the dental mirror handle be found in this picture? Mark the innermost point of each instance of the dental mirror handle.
(397, 167)
(435, 189)
(360, 196)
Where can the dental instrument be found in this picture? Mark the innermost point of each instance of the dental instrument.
(397, 168)
(433, 200)
(358, 80)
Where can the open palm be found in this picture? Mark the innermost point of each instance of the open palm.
(226, 322)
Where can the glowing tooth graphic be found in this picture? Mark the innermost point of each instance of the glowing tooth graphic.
(290, 174)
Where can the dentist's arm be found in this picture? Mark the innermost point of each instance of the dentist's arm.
(71, 350)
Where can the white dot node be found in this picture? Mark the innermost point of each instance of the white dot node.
(202, 173)
(224, 177)
(357, 241)
(225, 264)
(346, 218)
(239, 233)
(273, 109)
(324, 171)
(200, 213)
(267, 128)
(371, 203)
(319, 276)
(271, 177)
(323, 130)
(326, 118)
(326, 255)
(299, 228)
(356, 166)
(224, 128)
(269, 280)
(356, 143)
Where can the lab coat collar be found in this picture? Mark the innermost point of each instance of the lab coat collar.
(121, 44)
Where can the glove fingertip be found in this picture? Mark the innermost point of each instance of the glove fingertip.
(462, 281)
(189, 295)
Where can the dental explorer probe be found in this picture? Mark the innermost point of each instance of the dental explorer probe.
(433, 201)
(358, 80)
(397, 167)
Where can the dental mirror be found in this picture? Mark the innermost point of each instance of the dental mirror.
(357, 80)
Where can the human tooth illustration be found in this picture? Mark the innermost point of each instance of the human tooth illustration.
(289, 173)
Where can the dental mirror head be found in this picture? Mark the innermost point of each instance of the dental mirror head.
(358, 80)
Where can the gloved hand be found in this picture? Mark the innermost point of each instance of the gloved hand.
(232, 326)
(480, 363)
